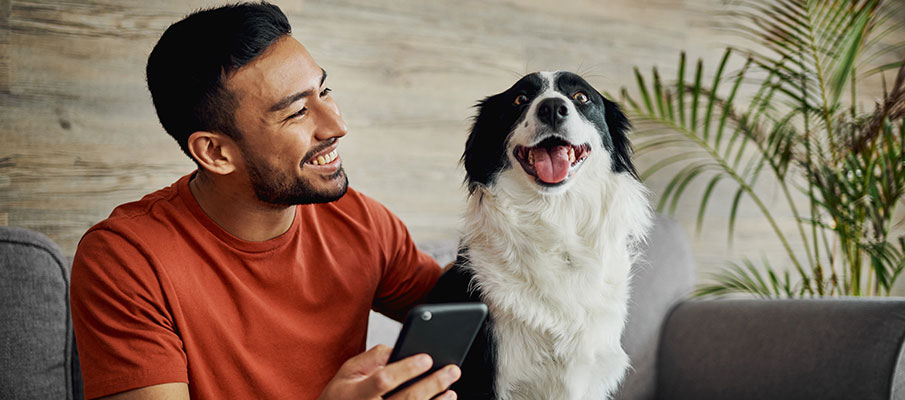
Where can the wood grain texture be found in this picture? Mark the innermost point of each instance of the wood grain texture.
(78, 133)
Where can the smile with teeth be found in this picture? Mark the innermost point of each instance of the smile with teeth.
(324, 159)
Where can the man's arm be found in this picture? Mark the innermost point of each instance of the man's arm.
(166, 391)
(365, 376)
(123, 327)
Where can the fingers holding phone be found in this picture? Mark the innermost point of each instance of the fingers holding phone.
(368, 376)
(438, 334)
(428, 387)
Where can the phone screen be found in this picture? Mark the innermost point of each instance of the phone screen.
(443, 331)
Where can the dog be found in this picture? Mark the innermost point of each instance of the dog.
(554, 219)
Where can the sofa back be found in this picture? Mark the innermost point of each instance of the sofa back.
(38, 359)
(661, 279)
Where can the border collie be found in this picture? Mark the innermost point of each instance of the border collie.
(554, 218)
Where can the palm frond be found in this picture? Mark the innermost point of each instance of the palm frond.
(704, 199)
(748, 279)
(796, 129)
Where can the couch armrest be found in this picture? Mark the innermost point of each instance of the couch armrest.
(783, 349)
(36, 339)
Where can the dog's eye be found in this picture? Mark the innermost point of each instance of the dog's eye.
(581, 97)
(521, 99)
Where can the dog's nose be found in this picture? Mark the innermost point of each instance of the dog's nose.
(552, 111)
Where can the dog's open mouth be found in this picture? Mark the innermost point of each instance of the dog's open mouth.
(552, 160)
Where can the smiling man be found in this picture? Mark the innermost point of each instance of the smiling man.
(252, 277)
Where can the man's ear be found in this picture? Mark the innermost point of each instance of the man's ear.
(215, 152)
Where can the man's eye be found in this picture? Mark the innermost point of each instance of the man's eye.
(326, 91)
(300, 113)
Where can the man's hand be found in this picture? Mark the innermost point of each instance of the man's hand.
(367, 376)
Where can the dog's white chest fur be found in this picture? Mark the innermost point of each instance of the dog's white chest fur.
(554, 271)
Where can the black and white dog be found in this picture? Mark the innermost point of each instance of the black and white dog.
(554, 218)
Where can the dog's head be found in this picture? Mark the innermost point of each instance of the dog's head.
(546, 128)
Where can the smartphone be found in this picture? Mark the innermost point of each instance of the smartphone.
(443, 331)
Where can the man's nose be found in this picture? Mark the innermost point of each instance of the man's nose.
(330, 124)
(552, 111)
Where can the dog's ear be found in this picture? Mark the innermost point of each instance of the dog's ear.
(485, 148)
(619, 126)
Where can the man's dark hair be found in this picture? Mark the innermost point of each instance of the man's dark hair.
(188, 66)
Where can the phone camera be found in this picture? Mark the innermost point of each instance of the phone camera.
(426, 316)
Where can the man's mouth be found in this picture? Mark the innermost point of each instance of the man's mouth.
(324, 159)
(326, 155)
(553, 160)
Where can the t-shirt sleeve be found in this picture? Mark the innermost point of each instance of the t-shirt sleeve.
(409, 274)
(124, 330)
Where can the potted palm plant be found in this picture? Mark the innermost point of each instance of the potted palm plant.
(786, 110)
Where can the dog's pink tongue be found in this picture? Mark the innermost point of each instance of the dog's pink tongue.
(552, 166)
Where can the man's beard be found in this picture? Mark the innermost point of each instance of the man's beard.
(274, 187)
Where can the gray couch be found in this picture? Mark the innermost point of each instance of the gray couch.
(680, 348)
(38, 359)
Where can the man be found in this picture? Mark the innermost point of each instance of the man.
(253, 276)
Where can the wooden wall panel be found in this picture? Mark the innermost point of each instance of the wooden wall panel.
(78, 133)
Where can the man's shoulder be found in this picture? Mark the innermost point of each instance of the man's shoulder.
(152, 210)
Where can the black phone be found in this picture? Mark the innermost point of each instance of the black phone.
(443, 331)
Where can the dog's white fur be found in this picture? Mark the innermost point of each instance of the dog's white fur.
(554, 265)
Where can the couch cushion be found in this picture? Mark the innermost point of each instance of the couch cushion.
(36, 333)
(848, 348)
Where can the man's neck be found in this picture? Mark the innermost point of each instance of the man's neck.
(239, 212)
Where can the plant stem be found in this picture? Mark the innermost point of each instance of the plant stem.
(854, 93)
(797, 216)
(809, 172)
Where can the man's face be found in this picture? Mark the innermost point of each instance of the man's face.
(289, 127)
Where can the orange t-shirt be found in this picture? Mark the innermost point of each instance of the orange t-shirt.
(160, 293)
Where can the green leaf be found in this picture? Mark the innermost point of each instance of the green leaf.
(643, 88)
(713, 92)
(885, 67)
(733, 213)
(667, 99)
(704, 199)
(667, 162)
(681, 188)
(675, 182)
(627, 98)
(727, 107)
(659, 97)
(681, 89)
(745, 279)
(660, 143)
(696, 94)
(849, 53)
